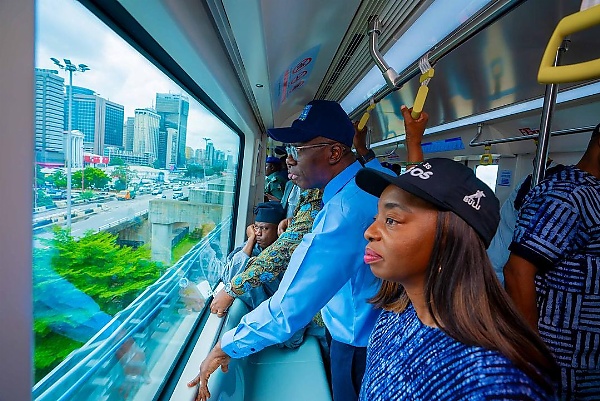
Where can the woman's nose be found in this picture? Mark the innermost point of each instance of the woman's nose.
(370, 233)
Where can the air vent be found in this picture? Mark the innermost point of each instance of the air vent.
(353, 61)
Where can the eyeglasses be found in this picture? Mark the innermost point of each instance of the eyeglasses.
(292, 150)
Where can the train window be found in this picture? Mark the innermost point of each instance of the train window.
(488, 174)
(134, 191)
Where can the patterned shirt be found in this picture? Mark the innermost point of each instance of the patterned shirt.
(558, 231)
(407, 360)
(273, 261)
(326, 271)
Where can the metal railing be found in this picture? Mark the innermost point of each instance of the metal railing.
(156, 322)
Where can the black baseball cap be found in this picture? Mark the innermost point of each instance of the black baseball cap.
(448, 185)
(318, 118)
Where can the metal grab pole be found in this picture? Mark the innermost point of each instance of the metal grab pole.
(69, 150)
(541, 155)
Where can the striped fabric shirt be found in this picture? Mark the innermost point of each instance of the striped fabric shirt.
(558, 230)
(407, 360)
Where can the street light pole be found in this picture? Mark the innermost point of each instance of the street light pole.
(68, 66)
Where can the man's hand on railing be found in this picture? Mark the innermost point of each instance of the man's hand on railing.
(217, 357)
(221, 303)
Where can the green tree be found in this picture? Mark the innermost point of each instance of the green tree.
(59, 179)
(123, 175)
(113, 276)
(116, 161)
(194, 170)
(91, 177)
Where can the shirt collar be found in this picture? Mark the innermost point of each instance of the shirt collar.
(339, 181)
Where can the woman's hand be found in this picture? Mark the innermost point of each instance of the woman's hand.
(217, 357)
(221, 303)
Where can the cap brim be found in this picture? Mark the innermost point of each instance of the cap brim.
(290, 135)
(375, 182)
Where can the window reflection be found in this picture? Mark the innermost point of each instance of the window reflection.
(152, 186)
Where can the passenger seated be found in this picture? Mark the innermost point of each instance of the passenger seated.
(260, 277)
(447, 330)
(553, 269)
(261, 234)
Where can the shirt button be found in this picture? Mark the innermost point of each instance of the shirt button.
(252, 349)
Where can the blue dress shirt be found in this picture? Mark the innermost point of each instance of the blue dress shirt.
(326, 272)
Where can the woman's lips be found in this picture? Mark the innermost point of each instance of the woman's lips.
(371, 257)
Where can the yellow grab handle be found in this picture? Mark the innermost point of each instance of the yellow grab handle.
(550, 74)
(419, 102)
(486, 159)
(427, 75)
(365, 117)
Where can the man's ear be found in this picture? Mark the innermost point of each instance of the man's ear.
(337, 152)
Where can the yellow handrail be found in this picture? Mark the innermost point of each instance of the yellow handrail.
(365, 117)
(550, 74)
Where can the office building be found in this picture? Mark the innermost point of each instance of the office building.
(49, 115)
(174, 110)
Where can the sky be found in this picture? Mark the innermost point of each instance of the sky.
(67, 30)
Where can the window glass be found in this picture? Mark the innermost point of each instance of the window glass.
(488, 174)
(121, 272)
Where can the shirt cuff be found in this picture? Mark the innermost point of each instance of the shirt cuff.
(539, 261)
(229, 346)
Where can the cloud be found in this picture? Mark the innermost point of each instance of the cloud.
(66, 29)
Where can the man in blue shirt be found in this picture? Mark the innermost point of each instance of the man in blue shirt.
(326, 271)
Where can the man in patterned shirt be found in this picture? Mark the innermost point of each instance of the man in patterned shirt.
(553, 273)
(260, 277)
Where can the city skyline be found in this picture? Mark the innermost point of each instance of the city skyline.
(115, 68)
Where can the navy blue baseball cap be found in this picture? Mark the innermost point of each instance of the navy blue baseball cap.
(446, 184)
(269, 212)
(318, 118)
(273, 159)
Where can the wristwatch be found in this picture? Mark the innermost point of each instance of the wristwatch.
(366, 158)
(229, 291)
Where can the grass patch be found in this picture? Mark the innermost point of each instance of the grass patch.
(183, 247)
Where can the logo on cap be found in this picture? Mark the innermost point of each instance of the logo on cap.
(304, 113)
(473, 200)
(418, 172)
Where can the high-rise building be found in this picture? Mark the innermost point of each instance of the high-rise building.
(49, 115)
(145, 133)
(209, 154)
(100, 120)
(171, 153)
(174, 110)
(199, 156)
(128, 134)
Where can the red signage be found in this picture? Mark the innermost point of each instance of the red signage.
(95, 159)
